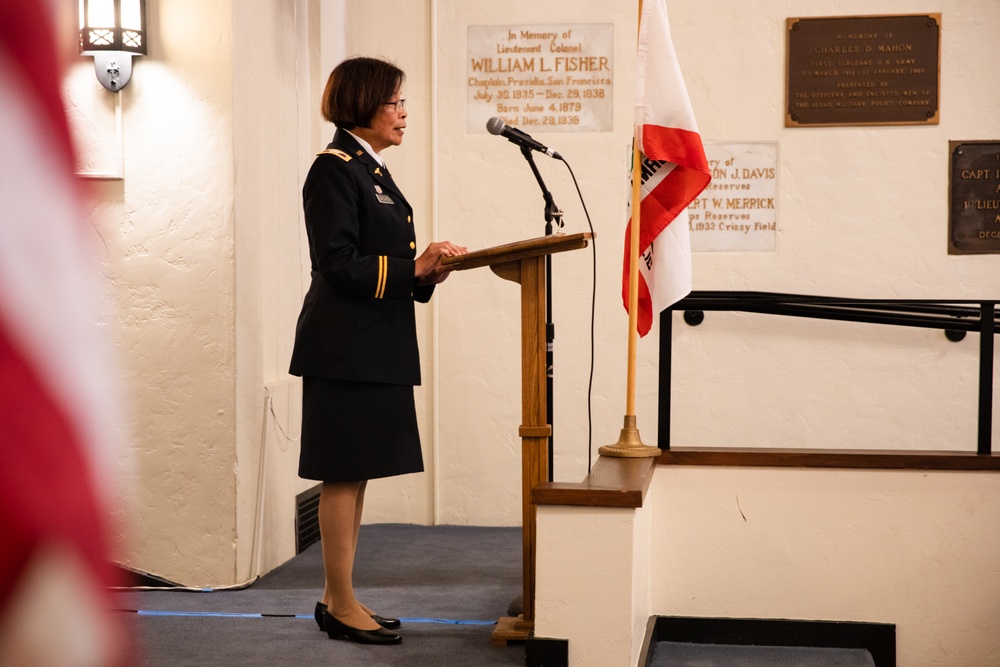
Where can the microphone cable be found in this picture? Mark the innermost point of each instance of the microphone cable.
(593, 310)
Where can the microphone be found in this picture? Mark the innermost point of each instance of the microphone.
(515, 136)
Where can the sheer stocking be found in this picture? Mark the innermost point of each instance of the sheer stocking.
(340, 507)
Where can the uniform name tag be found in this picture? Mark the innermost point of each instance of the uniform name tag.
(383, 198)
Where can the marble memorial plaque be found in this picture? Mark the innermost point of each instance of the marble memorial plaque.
(737, 212)
(552, 78)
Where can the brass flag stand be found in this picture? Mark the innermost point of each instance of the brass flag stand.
(629, 443)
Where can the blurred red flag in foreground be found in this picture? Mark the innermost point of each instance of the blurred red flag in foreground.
(56, 423)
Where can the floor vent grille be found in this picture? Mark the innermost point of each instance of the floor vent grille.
(307, 518)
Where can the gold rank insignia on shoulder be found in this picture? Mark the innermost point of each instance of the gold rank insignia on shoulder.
(360, 152)
(336, 151)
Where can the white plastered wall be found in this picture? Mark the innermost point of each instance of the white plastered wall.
(594, 592)
(913, 549)
(205, 255)
(862, 212)
(275, 130)
(166, 221)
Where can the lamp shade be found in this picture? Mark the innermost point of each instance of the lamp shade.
(113, 25)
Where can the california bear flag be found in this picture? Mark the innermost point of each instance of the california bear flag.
(674, 170)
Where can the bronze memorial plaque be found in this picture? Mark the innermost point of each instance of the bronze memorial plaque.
(974, 214)
(863, 70)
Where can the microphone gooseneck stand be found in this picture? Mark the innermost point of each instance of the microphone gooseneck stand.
(552, 214)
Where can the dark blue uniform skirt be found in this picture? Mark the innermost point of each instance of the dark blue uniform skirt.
(354, 431)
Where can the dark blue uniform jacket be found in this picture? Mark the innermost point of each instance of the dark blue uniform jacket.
(357, 321)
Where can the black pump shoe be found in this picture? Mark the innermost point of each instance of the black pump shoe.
(387, 623)
(337, 630)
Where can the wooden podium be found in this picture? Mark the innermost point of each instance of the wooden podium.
(524, 262)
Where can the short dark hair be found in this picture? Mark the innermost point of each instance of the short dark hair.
(356, 89)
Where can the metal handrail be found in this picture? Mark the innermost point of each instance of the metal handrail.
(954, 316)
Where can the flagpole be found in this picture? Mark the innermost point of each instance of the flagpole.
(629, 443)
(633, 275)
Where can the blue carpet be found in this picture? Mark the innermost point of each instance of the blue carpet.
(449, 585)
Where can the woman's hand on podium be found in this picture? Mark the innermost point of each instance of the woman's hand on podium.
(428, 269)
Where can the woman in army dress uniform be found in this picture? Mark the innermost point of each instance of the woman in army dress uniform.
(355, 341)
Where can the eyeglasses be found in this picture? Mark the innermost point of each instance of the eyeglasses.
(398, 104)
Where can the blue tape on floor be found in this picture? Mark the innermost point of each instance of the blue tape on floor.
(223, 614)
(144, 612)
(445, 621)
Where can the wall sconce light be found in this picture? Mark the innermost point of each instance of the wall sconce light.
(112, 31)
